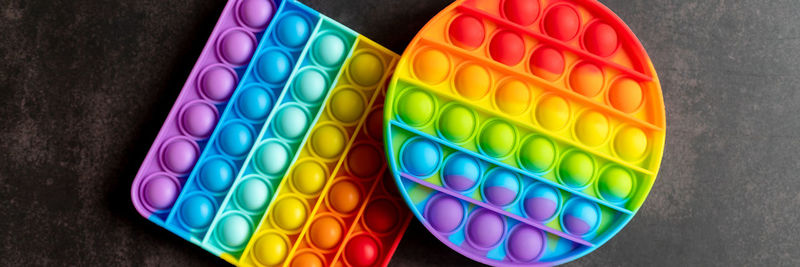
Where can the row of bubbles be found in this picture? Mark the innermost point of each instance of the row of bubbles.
(207, 91)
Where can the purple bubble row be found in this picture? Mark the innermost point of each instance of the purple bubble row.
(196, 111)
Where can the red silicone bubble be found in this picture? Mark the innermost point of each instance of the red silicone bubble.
(467, 32)
(562, 22)
(522, 12)
(507, 47)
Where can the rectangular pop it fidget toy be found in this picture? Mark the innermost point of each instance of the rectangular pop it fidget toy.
(293, 174)
(517, 101)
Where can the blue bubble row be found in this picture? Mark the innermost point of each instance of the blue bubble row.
(427, 161)
(285, 132)
(253, 102)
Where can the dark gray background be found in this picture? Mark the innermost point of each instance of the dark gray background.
(86, 85)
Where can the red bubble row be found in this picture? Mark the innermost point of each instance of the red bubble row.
(559, 20)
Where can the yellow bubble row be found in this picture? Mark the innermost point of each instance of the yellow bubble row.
(517, 100)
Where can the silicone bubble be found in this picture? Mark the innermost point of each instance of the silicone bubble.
(199, 119)
(457, 123)
(525, 243)
(501, 187)
(216, 175)
(485, 229)
(236, 138)
(329, 50)
(421, 157)
(444, 213)
(197, 211)
(580, 217)
(179, 155)
(274, 66)
(467, 32)
(235, 230)
(541, 202)
(381, 216)
(291, 122)
(362, 251)
(160, 191)
(256, 13)
(293, 30)
(272, 153)
(461, 172)
(325, 232)
(507, 47)
(270, 249)
(615, 184)
(254, 103)
(416, 108)
(307, 259)
(522, 12)
(524, 132)
(366, 69)
(310, 85)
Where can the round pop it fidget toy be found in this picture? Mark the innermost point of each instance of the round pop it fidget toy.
(525, 132)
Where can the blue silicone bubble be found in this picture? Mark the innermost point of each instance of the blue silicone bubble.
(274, 66)
(421, 157)
(197, 211)
(461, 172)
(501, 187)
(236, 139)
(216, 175)
(293, 30)
(254, 103)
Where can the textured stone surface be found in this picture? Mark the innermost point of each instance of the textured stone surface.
(86, 85)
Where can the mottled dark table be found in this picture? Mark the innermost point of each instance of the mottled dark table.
(86, 85)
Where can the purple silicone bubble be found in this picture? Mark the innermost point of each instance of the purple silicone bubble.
(525, 243)
(539, 208)
(444, 213)
(213, 78)
(218, 82)
(179, 155)
(485, 228)
(237, 46)
(256, 13)
(198, 119)
(160, 191)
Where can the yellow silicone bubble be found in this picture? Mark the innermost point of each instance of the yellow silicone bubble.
(473, 81)
(270, 249)
(431, 66)
(347, 105)
(630, 143)
(309, 177)
(552, 112)
(328, 141)
(592, 128)
(366, 69)
(289, 213)
(513, 97)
